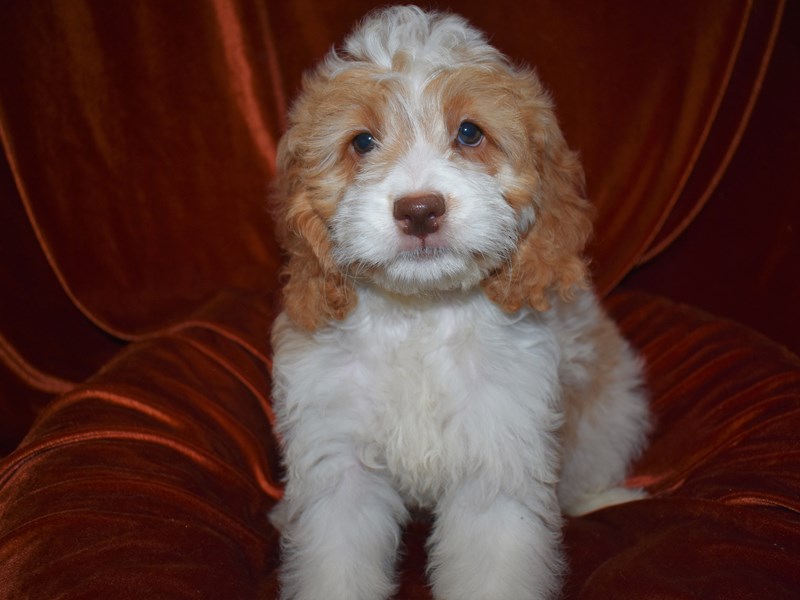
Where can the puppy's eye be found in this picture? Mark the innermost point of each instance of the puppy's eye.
(364, 142)
(469, 134)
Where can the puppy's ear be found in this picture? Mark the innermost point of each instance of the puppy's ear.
(315, 291)
(549, 257)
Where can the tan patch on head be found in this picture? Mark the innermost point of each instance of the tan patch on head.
(479, 95)
(549, 178)
(317, 163)
(522, 138)
(324, 121)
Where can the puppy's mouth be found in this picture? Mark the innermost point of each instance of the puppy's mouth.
(424, 252)
(423, 247)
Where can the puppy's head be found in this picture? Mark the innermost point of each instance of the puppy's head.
(418, 158)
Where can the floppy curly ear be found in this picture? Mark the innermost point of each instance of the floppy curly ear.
(549, 256)
(315, 291)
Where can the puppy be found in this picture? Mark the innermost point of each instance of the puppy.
(440, 347)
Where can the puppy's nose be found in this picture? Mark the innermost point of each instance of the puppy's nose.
(419, 215)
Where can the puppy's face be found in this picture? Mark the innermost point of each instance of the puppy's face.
(426, 167)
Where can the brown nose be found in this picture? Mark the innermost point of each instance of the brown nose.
(419, 215)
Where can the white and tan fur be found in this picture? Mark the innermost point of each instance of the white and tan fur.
(465, 368)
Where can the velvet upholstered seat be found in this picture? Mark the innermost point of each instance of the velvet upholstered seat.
(138, 278)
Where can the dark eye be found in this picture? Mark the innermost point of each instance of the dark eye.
(469, 134)
(363, 142)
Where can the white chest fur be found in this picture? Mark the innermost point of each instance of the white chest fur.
(426, 394)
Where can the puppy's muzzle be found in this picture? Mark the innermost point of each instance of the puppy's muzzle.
(419, 216)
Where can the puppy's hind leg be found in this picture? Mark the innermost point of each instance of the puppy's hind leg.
(602, 435)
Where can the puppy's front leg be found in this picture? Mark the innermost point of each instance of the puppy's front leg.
(341, 538)
(496, 546)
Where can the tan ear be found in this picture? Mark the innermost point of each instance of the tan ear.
(549, 257)
(315, 290)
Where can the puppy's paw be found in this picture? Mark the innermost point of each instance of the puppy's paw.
(596, 501)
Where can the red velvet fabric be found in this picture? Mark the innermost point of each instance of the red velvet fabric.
(159, 487)
(139, 272)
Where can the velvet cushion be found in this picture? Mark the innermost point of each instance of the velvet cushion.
(153, 479)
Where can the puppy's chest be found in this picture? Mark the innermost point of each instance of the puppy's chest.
(429, 389)
(422, 392)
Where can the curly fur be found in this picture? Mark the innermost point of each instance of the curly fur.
(467, 370)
